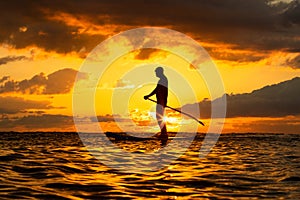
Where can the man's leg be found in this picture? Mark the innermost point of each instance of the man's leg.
(160, 111)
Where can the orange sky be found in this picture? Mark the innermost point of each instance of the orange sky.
(42, 50)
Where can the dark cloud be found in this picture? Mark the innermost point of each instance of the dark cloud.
(62, 81)
(37, 122)
(271, 101)
(103, 118)
(107, 118)
(228, 55)
(27, 23)
(295, 50)
(292, 13)
(4, 78)
(7, 59)
(247, 24)
(13, 105)
(145, 54)
(59, 82)
(294, 62)
(39, 112)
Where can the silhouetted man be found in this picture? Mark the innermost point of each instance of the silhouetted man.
(161, 92)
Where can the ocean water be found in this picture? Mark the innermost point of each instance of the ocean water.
(240, 166)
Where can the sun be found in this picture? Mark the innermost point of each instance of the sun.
(171, 120)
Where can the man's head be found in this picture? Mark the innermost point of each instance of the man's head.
(159, 71)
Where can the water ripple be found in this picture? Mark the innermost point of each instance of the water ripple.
(58, 166)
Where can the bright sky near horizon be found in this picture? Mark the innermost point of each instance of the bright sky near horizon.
(253, 43)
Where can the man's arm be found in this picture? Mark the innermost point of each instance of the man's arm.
(151, 94)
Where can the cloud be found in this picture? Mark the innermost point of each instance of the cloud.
(277, 100)
(4, 78)
(123, 84)
(34, 122)
(109, 118)
(41, 30)
(295, 50)
(62, 81)
(103, 118)
(292, 13)
(144, 54)
(13, 105)
(229, 54)
(59, 82)
(256, 25)
(284, 59)
(118, 84)
(7, 59)
(294, 62)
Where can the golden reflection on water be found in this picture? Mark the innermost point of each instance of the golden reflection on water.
(239, 166)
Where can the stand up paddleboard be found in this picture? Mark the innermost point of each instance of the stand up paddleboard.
(125, 136)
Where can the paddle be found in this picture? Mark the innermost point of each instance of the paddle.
(180, 112)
